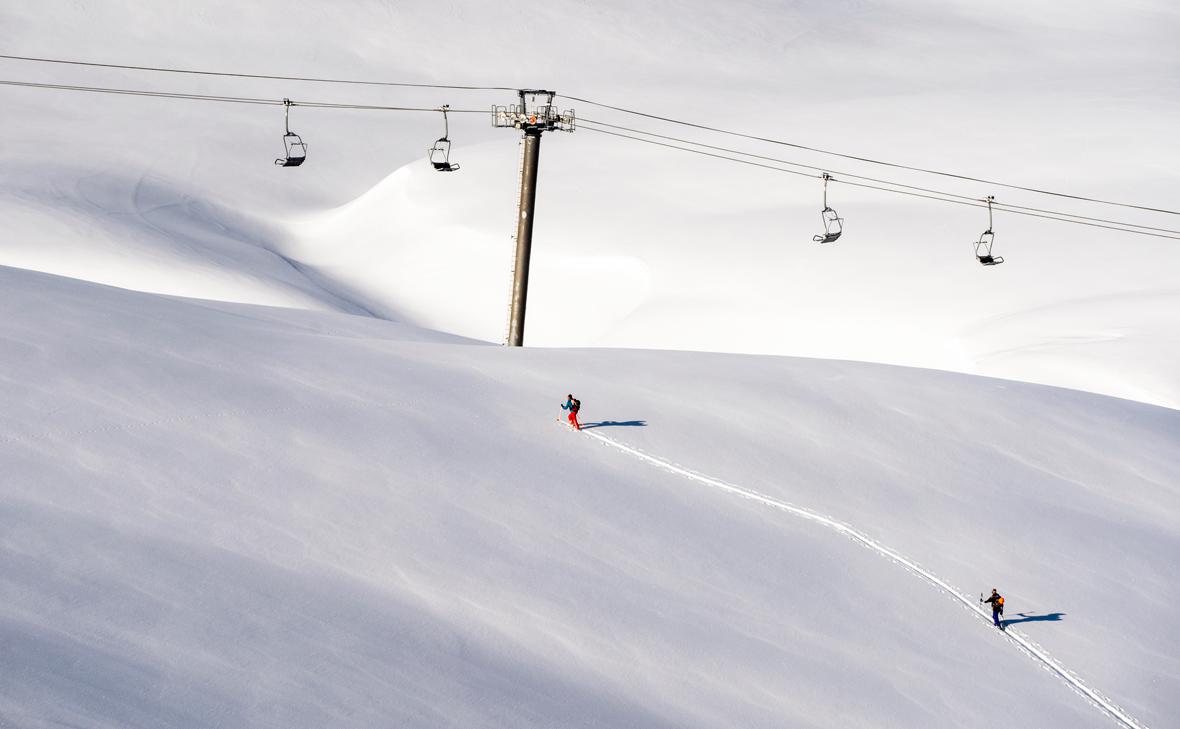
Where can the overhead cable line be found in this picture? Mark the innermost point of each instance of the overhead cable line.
(701, 152)
(906, 189)
(844, 175)
(161, 69)
(1047, 215)
(670, 120)
(231, 99)
(868, 160)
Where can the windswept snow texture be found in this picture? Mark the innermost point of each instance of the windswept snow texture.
(635, 245)
(220, 514)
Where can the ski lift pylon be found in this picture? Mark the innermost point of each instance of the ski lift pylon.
(440, 153)
(294, 150)
(983, 246)
(833, 223)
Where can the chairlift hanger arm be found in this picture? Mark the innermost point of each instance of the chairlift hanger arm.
(287, 114)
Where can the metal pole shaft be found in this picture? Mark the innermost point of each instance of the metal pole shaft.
(524, 236)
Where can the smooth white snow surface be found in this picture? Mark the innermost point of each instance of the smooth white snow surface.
(635, 246)
(248, 516)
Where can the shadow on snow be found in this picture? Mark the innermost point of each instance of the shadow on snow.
(1026, 618)
(612, 423)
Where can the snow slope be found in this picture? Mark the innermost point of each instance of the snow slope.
(636, 246)
(226, 514)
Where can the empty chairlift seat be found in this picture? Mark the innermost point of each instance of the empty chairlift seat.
(833, 223)
(294, 149)
(983, 246)
(440, 153)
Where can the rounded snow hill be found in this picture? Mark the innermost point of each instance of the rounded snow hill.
(247, 515)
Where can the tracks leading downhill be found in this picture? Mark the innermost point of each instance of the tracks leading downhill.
(1024, 644)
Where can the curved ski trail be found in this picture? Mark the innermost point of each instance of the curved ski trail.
(1029, 647)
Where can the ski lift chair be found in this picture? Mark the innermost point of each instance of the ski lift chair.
(833, 223)
(983, 246)
(440, 154)
(295, 151)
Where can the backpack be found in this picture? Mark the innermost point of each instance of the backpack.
(999, 602)
(576, 406)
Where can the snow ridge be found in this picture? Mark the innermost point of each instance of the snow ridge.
(1027, 646)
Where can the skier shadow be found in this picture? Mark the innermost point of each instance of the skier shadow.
(612, 423)
(1026, 618)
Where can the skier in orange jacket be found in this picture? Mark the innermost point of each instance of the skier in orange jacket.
(997, 603)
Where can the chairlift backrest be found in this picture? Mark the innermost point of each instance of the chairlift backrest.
(983, 246)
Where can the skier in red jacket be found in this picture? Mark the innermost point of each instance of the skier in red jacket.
(573, 405)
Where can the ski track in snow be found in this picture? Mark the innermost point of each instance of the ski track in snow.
(1027, 646)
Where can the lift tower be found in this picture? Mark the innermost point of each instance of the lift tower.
(534, 115)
